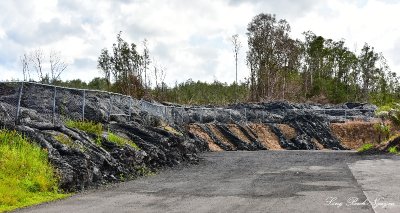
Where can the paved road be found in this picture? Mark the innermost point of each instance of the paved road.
(262, 181)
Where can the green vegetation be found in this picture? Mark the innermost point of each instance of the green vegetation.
(393, 150)
(26, 177)
(65, 139)
(94, 129)
(365, 147)
(144, 171)
(121, 141)
(87, 126)
(313, 68)
(384, 130)
(191, 92)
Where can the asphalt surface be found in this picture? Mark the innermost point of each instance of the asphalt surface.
(261, 181)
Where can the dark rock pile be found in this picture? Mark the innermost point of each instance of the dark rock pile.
(84, 163)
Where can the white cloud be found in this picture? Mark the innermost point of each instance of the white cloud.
(189, 38)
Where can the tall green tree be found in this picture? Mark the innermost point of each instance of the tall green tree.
(122, 67)
(270, 48)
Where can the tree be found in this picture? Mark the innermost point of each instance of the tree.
(236, 47)
(25, 66)
(123, 66)
(37, 59)
(269, 56)
(145, 62)
(368, 59)
(57, 66)
(105, 65)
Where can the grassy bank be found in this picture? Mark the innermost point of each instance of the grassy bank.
(26, 176)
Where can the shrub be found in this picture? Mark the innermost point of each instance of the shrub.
(26, 176)
(393, 150)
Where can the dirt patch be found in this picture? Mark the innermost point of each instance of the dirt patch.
(238, 133)
(220, 136)
(266, 137)
(287, 131)
(354, 134)
(317, 144)
(196, 130)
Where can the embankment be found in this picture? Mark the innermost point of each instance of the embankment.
(164, 135)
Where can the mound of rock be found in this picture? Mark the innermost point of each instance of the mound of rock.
(85, 160)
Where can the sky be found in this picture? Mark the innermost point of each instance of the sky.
(189, 39)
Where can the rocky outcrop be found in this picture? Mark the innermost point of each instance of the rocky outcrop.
(84, 160)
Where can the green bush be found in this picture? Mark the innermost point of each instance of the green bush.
(121, 141)
(26, 176)
(393, 150)
(365, 147)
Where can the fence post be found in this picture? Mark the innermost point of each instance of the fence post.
(201, 116)
(19, 103)
(109, 109)
(165, 113)
(54, 104)
(83, 105)
(245, 116)
(130, 108)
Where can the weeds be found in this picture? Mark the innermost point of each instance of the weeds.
(365, 147)
(64, 139)
(144, 171)
(89, 127)
(393, 150)
(121, 141)
(26, 176)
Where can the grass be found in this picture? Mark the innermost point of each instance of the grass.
(26, 176)
(121, 141)
(87, 126)
(66, 140)
(393, 150)
(365, 147)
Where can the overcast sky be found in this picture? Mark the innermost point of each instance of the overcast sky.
(191, 39)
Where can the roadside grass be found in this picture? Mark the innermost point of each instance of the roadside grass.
(26, 176)
(87, 126)
(365, 147)
(121, 141)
